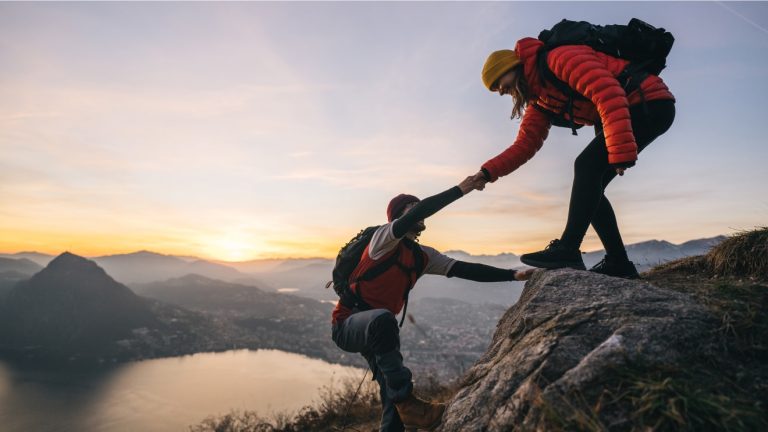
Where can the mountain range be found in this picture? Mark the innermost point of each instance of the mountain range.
(307, 276)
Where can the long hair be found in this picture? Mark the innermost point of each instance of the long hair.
(519, 93)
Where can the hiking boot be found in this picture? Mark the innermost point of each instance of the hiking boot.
(623, 268)
(418, 414)
(555, 256)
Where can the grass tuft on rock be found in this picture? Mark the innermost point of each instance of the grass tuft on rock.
(742, 255)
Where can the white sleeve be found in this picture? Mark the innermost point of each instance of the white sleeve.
(438, 264)
(383, 241)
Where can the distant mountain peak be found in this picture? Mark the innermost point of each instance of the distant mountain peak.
(68, 259)
(75, 271)
(147, 252)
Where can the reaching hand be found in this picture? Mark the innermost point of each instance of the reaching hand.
(523, 275)
(471, 183)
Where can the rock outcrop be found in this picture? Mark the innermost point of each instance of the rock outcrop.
(559, 351)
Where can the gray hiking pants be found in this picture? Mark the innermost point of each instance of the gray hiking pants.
(376, 336)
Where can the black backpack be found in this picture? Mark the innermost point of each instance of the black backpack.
(645, 46)
(348, 259)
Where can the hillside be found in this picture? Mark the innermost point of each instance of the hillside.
(71, 305)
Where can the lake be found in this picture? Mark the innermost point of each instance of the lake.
(161, 395)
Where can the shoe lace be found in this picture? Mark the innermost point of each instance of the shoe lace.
(553, 244)
(600, 265)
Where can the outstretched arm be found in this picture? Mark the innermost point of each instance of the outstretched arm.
(485, 273)
(429, 206)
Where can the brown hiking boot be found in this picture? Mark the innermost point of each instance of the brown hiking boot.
(416, 413)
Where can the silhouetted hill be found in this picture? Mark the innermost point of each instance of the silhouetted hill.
(145, 266)
(71, 305)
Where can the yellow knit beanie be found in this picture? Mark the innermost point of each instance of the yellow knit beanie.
(497, 64)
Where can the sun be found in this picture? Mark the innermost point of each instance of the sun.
(232, 247)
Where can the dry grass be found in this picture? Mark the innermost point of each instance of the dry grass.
(742, 255)
(340, 408)
(638, 399)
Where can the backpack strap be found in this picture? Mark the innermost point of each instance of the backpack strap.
(379, 269)
(630, 79)
(354, 298)
(417, 269)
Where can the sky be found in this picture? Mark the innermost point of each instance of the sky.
(239, 131)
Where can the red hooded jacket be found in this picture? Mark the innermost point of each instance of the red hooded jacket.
(592, 74)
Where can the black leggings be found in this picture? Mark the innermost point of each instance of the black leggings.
(592, 173)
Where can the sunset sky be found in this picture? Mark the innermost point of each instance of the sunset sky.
(250, 130)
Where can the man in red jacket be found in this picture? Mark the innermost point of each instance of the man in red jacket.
(626, 120)
(372, 330)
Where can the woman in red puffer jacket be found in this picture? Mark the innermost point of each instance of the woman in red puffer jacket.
(624, 124)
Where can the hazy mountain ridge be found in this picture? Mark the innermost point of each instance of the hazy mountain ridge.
(651, 253)
(310, 279)
(38, 258)
(145, 266)
(21, 265)
(198, 292)
(309, 275)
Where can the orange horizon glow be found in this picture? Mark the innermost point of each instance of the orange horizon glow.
(227, 250)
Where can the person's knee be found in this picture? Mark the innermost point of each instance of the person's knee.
(383, 333)
(585, 165)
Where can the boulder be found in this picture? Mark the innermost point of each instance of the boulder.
(554, 352)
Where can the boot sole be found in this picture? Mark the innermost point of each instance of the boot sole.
(553, 265)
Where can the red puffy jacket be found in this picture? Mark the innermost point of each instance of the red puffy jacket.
(592, 74)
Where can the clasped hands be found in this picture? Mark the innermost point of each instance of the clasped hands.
(473, 182)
